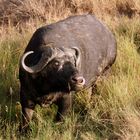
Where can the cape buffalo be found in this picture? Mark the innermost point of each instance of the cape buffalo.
(62, 57)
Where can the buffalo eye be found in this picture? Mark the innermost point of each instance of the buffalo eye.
(56, 63)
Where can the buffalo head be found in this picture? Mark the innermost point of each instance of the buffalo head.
(59, 67)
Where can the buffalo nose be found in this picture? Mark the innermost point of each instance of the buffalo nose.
(78, 80)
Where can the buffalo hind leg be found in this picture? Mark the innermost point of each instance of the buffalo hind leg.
(64, 106)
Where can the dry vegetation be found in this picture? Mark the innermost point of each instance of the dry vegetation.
(113, 111)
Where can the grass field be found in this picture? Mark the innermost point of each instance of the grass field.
(113, 111)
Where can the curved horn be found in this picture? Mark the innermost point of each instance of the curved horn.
(78, 56)
(29, 69)
(47, 55)
(74, 52)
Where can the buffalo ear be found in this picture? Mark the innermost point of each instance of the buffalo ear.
(77, 55)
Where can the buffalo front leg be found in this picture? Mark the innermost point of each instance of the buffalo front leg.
(64, 106)
(27, 113)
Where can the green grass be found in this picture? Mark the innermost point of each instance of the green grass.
(113, 111)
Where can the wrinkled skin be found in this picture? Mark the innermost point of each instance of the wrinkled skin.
(81, 49)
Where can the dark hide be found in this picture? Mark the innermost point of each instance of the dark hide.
(97, 51)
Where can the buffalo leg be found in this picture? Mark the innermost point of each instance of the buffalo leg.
(64, 106)
(27, 113)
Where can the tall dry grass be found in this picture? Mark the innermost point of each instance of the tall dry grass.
(113, 111)
(21, 11)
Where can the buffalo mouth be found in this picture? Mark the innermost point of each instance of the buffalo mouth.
(77, 83)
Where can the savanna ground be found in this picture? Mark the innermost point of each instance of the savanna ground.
(113, 111)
